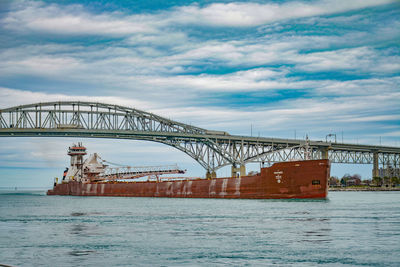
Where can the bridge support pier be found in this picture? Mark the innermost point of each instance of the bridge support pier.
(211, 174)
(324, 153)
(239, 171)
(375, 170)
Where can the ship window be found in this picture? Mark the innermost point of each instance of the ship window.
(316, 182)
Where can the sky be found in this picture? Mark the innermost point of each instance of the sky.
(269, 68)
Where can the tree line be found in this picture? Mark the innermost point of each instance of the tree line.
(356, 180)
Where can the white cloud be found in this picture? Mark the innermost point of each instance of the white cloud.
(159, 58)
(75, 20)
(117, 66)
(390, 134)
(251, 80)
(72, 20)
(359, 59)
(375, 118)
(11, 97)
(50, 65)
(242, 14)
(364, 87)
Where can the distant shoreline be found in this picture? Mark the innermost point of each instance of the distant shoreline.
(15, 188)
(367, 188)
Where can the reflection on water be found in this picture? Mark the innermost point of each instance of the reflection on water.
(86, 213)
(78, 229)
(78, 214)
(309, 227)
(318, 235)
(80, 252)
(84, 229)
(301, 212)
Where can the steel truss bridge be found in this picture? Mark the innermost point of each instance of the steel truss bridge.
(211, 149)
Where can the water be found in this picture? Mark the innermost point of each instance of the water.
(349, 229)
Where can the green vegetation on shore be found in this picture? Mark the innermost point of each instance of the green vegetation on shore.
(354, 183)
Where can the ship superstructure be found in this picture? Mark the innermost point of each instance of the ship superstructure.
(93, 169)
(75, 171)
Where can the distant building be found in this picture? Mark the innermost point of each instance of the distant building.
(389, 172)
(333, 181)
(353, 181)
(366, 182)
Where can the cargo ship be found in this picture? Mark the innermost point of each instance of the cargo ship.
(282, 180)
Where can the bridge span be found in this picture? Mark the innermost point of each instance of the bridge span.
(211, 149)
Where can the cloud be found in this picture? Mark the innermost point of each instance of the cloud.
(165, 55)
(251, 80)
(71, 20)
(75, 20)
(11, 97)
(364, 87)
(359, 59)
(51, 152)
(240, 14)
(123, 68)
(375, 118)
(128, 62)
(390, 134)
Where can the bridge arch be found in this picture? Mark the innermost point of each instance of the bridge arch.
(211, 149)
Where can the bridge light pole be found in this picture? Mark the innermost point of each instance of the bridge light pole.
(330, 135)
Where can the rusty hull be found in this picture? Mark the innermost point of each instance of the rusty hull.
(294, 179)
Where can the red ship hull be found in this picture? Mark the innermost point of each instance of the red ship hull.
(294, 179)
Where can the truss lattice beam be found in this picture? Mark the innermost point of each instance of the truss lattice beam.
(211, 149)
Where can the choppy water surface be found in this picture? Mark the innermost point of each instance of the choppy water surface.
(351, 228)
